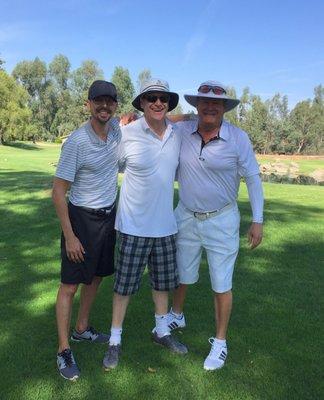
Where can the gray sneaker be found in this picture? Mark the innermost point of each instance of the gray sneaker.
(111, 358)
(170, 343)
(90, 335)
(67, 366)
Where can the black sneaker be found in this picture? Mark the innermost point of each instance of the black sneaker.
(90, 335)
(111, 358)
(67, 365)
(170, 343)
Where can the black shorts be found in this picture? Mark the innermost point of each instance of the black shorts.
(96, 232)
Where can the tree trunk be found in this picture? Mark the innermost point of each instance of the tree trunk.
(300, 146)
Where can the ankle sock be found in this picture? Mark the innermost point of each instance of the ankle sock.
(161, 325)
(220, 342)
(178, 316)
(115, 336)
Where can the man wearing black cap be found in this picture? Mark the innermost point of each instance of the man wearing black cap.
(88, 168)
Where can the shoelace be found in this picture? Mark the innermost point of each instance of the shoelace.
(67, 358)
(211, 340)
(113, 350)
(93, 331)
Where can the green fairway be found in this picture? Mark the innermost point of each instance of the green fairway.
(276, 326)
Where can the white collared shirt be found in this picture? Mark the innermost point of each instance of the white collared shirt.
(209, 177)
(146, 196)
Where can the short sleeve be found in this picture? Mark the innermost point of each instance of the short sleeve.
(69, 161)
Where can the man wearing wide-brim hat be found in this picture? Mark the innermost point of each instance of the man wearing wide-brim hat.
(214, 156)
(149, 156)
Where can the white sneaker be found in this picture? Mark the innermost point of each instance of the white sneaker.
(175, 322)
(216, 357)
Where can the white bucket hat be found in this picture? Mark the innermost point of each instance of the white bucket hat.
(156, 85)
(220, 90)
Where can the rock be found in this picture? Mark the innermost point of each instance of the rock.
(318, 176)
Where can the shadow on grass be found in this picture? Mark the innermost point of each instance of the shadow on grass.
(23, 145)
(276, 317)
(28, 182)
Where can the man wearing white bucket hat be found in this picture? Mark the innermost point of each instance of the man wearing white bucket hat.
(214, 156)
(149, 155)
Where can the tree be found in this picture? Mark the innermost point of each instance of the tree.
(83, 77)
(125, 90)
(14, 112)
(2, 62)
(303, 119)
(318, 110)
(59, 71)
(255, 123)
(319, 95)
(32, 75)
(245, 103)
(231, 116)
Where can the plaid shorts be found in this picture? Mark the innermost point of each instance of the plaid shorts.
(135, 252)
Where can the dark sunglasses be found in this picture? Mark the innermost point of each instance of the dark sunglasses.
(152, 98)
(103, 99)
(215, 89)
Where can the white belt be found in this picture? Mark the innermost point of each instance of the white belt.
(202, 216)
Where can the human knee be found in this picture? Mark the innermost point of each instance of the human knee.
(223, 294)
(68, 289)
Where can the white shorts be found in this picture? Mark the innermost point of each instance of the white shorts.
(218, 235)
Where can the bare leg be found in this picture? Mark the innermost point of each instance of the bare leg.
(64, 303)
(88, 294)
(120, 304)
(161, 300)
(223, 308)
(179, 296)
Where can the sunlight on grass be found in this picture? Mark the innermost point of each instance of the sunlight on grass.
(278, 300)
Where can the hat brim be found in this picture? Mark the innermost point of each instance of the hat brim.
(173, 102)
(229, 103)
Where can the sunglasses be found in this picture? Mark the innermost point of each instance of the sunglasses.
(152, 98)
(100, 100)
(215, 89)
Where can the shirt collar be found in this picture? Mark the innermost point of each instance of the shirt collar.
(113, 127)
(223, 132)
(146, 127)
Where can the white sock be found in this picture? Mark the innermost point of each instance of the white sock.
(221, 342)
(161, 325)
(115, 336)
(178, 316)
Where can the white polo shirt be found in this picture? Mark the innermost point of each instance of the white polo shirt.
(209, 177)
(146, 196)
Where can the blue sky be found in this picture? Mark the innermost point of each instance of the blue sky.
(273, 46)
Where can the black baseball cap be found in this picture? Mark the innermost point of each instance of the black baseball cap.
(102, 88)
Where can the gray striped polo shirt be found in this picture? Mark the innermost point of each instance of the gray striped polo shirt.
(91, 165)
